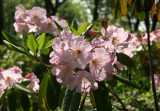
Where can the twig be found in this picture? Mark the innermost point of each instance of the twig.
(116, 95)
(42, 62)
(150, 65)
(83, 100)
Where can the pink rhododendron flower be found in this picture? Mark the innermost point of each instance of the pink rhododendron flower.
(97, 66)
(20, 14)
(10, 77)
(157, 81)
(83, 82)
(34, 84)
(36, 15)
(81, 49)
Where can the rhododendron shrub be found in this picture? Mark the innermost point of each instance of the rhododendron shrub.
(81, 60)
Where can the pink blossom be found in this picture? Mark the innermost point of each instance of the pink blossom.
(157, 81)
(34, 84)
(36, 15)
(10, 77)
(81, 49)
(99, 42)
(97, 66)
(20, 14)
(128, 107)
(83, 82)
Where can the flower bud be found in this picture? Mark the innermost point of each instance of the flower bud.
(92, 32)
(104, 24)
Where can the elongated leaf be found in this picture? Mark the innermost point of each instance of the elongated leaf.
(22, 88)
(32, 44)
(127, 82)
(73, 30)
(92, 99)
(58, 25)
(12, 39)
(158, 11)
(82, 28)
(14, 48)
(141, 15)
(117, 10)
(24, 38)
(12, 101)
(67, 100)
(53, 92)
(75, 25)
(102, 99)
(76, 97)
(125, 60)
(49, 43)
(124, 9)
(25, 103)
(153, 9)
(88, 28)
(41, 41)
(43, 87)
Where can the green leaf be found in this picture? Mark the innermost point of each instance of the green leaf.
(32, 44)
(22, 88)
(67, 100)
(75, 25)
(49, 43)
(58, 25)
(126, 81)
(24, 38)
(82, 28)
(12, 101)
(12, 39)
(112, 82)
(102, 99)
(14, 48)
(73, 30)
(88, 28)
(43, 86)
(41, 41)
(25, 103)
(74, 105)
(125, 60)
(141, 16)
(53, 92)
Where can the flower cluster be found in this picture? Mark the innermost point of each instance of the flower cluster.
(35, 20)
(12, 76)
(81, 64)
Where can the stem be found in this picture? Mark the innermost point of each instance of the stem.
(116, 95)
(150, 65)
(42, 62)
(83, 100)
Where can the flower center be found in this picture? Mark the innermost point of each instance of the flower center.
(95, 62)
(35, 16)
(114, 41)
(8, 78)
(78, 52)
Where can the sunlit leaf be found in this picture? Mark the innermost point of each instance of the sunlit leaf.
(75, 25)
(153, 10)
(12, 39)
(41, 41)
(32, 44)
(22, 88)
(158, 11)
(82, 28)
(124, 9)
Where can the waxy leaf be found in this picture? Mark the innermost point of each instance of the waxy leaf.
(67, 99)
(125, 60)
(41, 41)
(15, 48)
(102, 99)
(43, 86)
(153, 9)
(25, 102)
(92, 99)
(82, 28)
(12, 39)
(24, 38)
(32, 43)
(75, 25)
(158, 11)
(125, 81)
(49, 43)
(23, 88)
(58, 25)
(124, 9)
(74, 105)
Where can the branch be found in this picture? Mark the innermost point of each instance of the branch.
(83, 100)
(150, 65)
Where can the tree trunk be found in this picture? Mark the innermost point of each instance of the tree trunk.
(95, 15)
(154, 22)
(136, 25)
(1, 21)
